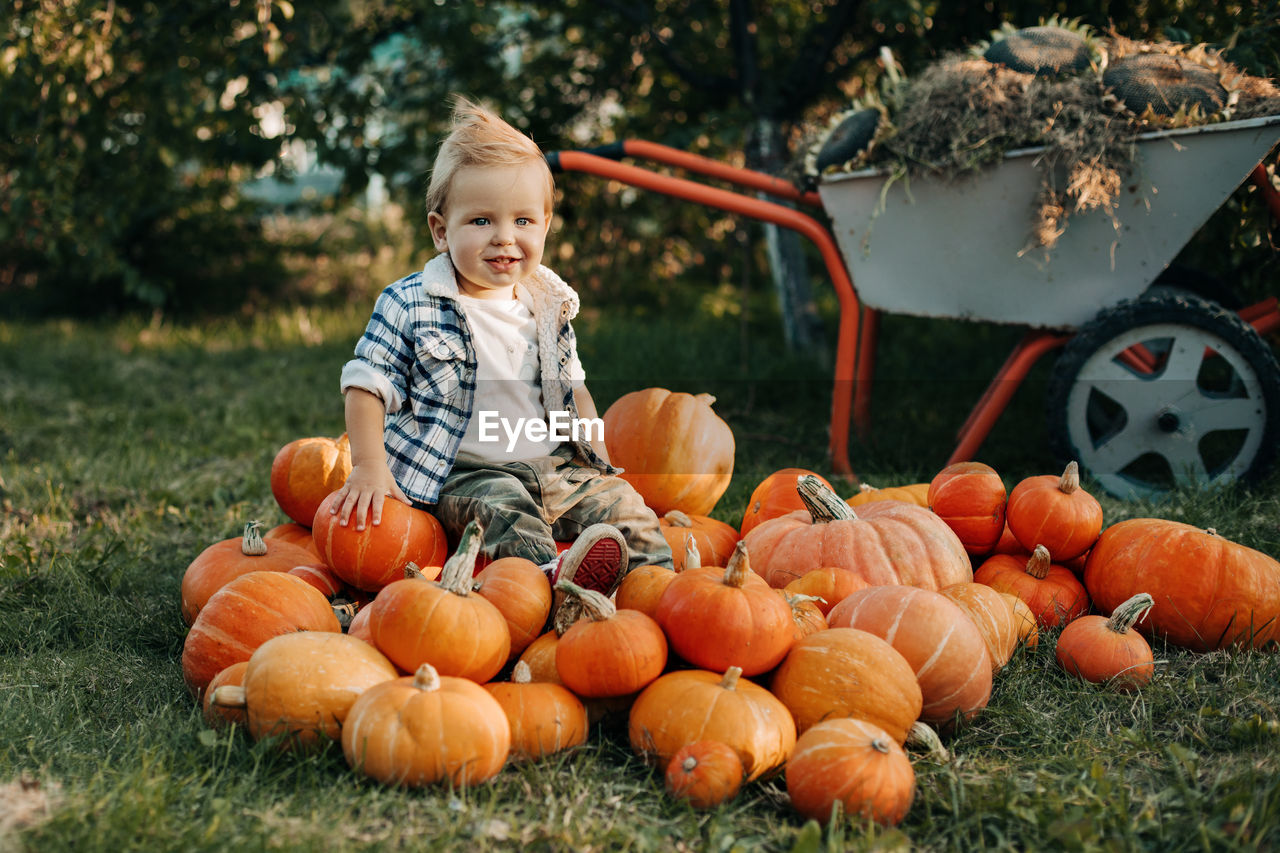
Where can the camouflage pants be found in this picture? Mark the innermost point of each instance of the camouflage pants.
(526, 507)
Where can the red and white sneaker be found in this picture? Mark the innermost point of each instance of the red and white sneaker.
(596, 561)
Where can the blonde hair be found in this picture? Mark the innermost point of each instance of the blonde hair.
(478, 137)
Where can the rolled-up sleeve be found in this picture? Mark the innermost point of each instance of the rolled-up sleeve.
(384, 354)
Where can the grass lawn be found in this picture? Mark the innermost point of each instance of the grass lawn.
(126, 448)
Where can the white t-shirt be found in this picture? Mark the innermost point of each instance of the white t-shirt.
(508, 383)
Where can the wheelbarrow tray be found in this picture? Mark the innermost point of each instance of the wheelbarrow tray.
(937, 248)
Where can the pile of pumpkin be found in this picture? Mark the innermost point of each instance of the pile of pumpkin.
(814, 640)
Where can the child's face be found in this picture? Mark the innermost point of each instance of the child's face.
(494, 227)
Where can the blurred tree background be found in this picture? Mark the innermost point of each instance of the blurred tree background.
(134, 129)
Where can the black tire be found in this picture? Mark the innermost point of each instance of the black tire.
(1216, 421)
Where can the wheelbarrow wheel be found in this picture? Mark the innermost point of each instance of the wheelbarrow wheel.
(1163, 391)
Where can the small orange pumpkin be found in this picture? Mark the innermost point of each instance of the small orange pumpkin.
(608, 652)
(522, 593)
(1055, 512)
(970, 497)
(775, 496)
(1101, 649)
(305, 471)
(914, 493)
(704, 774)
(224, 561)
(992, 615)
(714, 539)
(854, 763)
(1054, 594)
(217, 716)
(545, 718)
(371, 558)
(806, 617)
(828, 584)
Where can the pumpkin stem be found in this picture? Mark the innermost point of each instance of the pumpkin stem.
(921, 734)
(705, 399)
(735, 574)
(794, 598)
(228, 696)
(689, 764)
(252, 544)
(1070, 481)
(731, 676)
(1130, 611)
(345, 613)
(1038, 565)
(692, 557)
(823, 504)
(413, 572)
(595, 605)
(676, 518)
(426, 678)
(521, 674)
(461, 567)
(865, 488)
(880, 744)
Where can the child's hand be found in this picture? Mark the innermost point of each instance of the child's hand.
(366, 488)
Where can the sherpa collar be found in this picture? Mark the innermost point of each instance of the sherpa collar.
(543, 289)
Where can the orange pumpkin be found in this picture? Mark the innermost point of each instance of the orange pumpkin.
(1023, 619)
(227, 560)
(845, 672)
(522, 593)
(854, 763)
(688, 706)
(806, 617)
(914, 493)
(1055, 512)
(608, 652)
(883, 542)
(993, 616)
(775, 496)
(415, 621)
(828, 584)
(294, 534)
(540, 657)
(704, 774)
(219, 717)
(717, 618)
(545, 718)
(321, 577)
(426, 729)
(371, 558)
(943, 646)
(970, 497)
(305, 471)
(673, 449)
(642, 588)
(1054, 594)
(714, 539)
(243, 615)
(1209, 592)
(1101, 649)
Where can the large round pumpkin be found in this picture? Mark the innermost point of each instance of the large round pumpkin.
(371, 558)
(675, 451)
(970, 497)
(774, 496)
(883, 542)
(855, 763)
(227, 560)
(688, 706)
(1209, 592)
(305, 471)
(714, 539)
(940, 642)
(246, 613)
(425, 729)
(845, 672)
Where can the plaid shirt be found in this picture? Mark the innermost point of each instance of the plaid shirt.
(416, 354)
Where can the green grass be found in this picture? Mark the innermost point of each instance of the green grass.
(126, 448)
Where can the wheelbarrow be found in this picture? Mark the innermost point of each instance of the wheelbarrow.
(1155, 386)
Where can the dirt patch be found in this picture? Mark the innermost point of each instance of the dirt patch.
(24, 803)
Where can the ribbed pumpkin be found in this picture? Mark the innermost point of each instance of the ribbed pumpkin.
(704, 774)
(217, 716)
(992, 614)
(688, 706)
(443, 623)
(243, 615)
(300, 686)
(608, 652)
(829, 584)
(942, 645)
(545, 718)
(775, 496)
(1101, 649)
(970, 497)
(1055, 512)
(223, 562)
(675, 451)
(1054, 594)
(643, 586)
(855, 763)
(540, 658)
(1209, 592)
(426, 729)
(716, 618)
(305, 471)
(294, 534)
(321, 577)
(371, 558)
(1024, 619)
(806, 617)
(715, 539)
(846, 672)
(522, 593)
(883, 542)
(913, 493)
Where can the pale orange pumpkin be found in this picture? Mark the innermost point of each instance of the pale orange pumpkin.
(970, 497)
(427, 729)
(992, 615)
(305, 471)
(883, 542)
(673, 449)
(371, 558)
(1108, 650)
(943, 646)
(704, 774)
(846, 672)
(224, 561)
(714, 539)
(522, 593)
(854, 763)
(775, 496)
(913, 493)
(545, 718)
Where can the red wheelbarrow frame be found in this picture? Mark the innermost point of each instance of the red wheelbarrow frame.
(856, 339)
